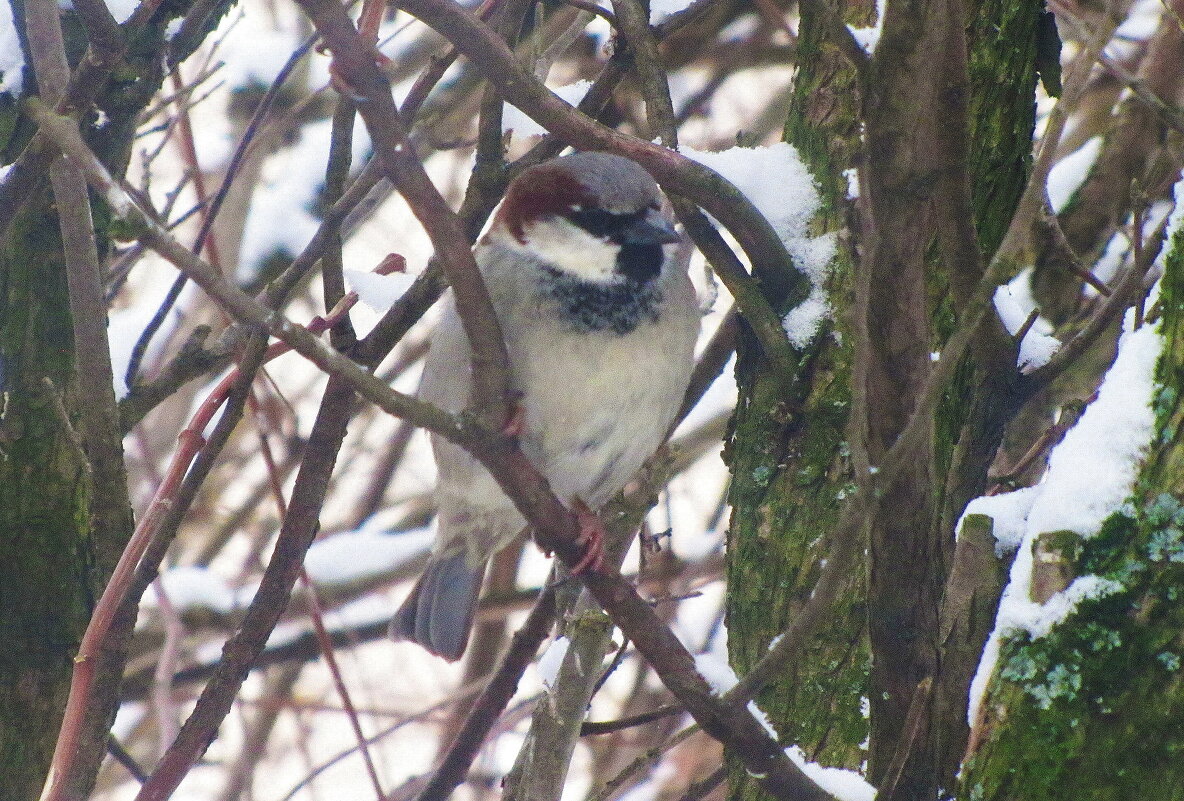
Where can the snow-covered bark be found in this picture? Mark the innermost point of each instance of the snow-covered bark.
(1085, 697)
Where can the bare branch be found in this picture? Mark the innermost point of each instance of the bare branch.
(556, 529)
(354, 62)
(675, 173)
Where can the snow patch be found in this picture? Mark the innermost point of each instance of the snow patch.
(1039, 344)
(379, 292)
(12, 59)
(551, 660)
(713, 666)
(779, 185)
(280, 217)
(1092, 471)
(1090, 474)
(514, 119)
(192, 588)
(255, 47)
(869, 37)
(845, 785)
(1009, 512)
(125, 326)
(1068, 174)
(355, 555)
(661, 9)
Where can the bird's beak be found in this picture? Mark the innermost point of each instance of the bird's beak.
(652, 229)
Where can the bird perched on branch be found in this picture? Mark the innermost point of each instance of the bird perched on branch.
(600, 327)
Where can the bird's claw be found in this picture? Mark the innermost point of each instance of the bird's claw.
(514, 424)
(591, 538)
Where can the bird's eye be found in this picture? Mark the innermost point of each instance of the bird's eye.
(598, 222)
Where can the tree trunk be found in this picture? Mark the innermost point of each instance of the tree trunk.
(789, 453)
(1095, 709)
(60, 533)
(789, 459)
(45, 548)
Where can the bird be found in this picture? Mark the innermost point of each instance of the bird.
(600, 324)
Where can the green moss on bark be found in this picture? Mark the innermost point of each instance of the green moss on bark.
(792, 488)
(789, 463)
(50, 566)
(787, 452)
(1095, 709)
(45, 560)
(1003, 38)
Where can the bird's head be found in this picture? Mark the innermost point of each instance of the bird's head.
(593, 216)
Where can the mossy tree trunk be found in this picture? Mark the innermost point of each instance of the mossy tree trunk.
(789, 461)
(64, 510)
(46, 554)
(1004, 43)
(1095, 709)
(789, 454)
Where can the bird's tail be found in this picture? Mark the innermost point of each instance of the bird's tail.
(439, 612)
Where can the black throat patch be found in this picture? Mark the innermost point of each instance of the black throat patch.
(618, 306)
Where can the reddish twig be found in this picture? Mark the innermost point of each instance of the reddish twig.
(270, 599)
(189, 442)
(353, 62)
(316, 615)
(162, 690)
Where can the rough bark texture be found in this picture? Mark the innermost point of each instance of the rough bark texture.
(57, 545)
(922, 627)
(909, 81)
(45, 549)
(789, 458)
(1096, 708)
(1002, 40)
(789, 452)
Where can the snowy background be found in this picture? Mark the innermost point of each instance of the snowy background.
(377, 526)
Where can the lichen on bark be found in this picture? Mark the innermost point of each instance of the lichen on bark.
(790, 465)
(1095, 709)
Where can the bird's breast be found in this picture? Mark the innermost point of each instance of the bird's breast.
(614, 307)
(596, 403)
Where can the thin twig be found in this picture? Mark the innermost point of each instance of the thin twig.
(556, 528)
(353, 62)
(316, 615)
(1050, 223)
(459, 695)
(594, 728)
(492, 700)
(675, 173)
(274, 591)
(648, 758)
(701, 789)
(190, 441)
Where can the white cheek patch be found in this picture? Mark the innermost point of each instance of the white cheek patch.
(572, 249)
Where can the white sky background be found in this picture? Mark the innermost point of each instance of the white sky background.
(396, 679)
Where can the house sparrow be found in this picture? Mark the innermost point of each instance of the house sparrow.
(600, 328)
